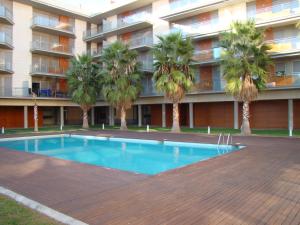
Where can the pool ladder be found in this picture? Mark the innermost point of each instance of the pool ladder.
(222, 138)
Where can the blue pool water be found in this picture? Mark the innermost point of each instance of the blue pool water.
(139, 156)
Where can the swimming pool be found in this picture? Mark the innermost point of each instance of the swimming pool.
(134, 155)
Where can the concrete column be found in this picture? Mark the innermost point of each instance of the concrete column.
(93, 116)
(236, 114)
(62, 119)
(163, 115)
(111, 116)
(191, 113)
(291, 114)
(140, 115)
(25, 116)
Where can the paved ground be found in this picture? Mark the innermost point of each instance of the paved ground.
(258, 185)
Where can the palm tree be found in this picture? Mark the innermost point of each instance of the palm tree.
(173, 76)
(83, 84)
(121, 80)
(245, 62)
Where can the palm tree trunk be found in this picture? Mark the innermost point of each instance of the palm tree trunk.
(175, 127)
(245, 129)
(123, 119)
(85, 122)
(36, 119)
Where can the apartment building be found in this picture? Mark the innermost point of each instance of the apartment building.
(38, 40)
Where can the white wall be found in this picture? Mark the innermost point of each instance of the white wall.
(80, 45)
(22, 37)
(160, 26)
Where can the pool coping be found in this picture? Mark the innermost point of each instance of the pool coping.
(44, 210)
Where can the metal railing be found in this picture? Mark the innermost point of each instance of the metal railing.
(196, 28)
(46, 69)
(139, 41)
(275, 11)
(126, 21)
(6, 91)
(52, 23)
(146, 65)
(177, 4)
(208, 85)
(284, 44)
(20, 92)
(51, 47)
(92, 32)
(282, 80)
(95, 52)
(207, 55)
(5, 38)
(6, 13)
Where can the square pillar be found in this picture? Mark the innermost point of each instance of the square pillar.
(191, 114)
(25, 116)
(93, 116)
(111, 116)
(163, 115)
(62, 119)
(140, 115)
(291, 114)
(236, 115)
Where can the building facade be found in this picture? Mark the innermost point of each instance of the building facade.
(38, 40)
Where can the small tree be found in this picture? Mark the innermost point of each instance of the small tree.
(173, 76)
(121, 80)
(245, 61)
(83, 84)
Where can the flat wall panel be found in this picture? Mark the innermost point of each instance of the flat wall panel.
(267, 114)
(297, 114)
(156, 115)
(216, 114)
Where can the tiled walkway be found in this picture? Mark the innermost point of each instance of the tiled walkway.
(258, 185)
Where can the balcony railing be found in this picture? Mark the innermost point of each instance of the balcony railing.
(139, 42)
(276, 11)
(146, 65)
(179, 4)
(95, 52)
(52, 24)
(92, 32)
(148, 88)
(284, 45)
(207, 85)
(283, 80)
(26, 92)
(6, 13)
(5, 38)
(51, 47)
(48, 70)
(6, 62)
(207, 55)
(196, 28)
(127, 21)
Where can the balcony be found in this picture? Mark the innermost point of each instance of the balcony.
(182, 9)
(208, 85)
(284, 47)
(96, 53)
(148, 87)
(276, 12)
(95, 34)
(49, 71)
(140, 43)
(52, 49)
(5, 40)
(146, 65)
(282, 80)
(52, 26)
(209, 56)
(22, 92)
(6, 15)
(6, 63)
(132, 23)
(198, 30)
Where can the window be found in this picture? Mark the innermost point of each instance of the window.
(280, 69)
(296, 68)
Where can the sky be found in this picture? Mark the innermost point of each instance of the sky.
(83, 6)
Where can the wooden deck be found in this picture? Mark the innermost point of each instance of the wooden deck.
(258, 185)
